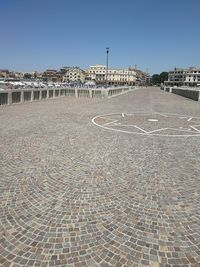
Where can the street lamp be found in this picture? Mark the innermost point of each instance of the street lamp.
(107, 52)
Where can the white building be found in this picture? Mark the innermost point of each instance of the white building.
(184, 77)
(112, 76)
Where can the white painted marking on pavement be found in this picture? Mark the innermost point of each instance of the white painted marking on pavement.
(195, 128)
(197, 132)
(152, 120)
(140, 129)
(161, 129)
(108, 123)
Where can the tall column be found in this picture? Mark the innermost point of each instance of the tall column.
(107, 52)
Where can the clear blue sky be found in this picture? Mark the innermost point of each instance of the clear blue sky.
(156, 35)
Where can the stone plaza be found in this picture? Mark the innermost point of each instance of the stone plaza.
(101, 182)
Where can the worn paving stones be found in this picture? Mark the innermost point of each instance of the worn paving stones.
(73, 194)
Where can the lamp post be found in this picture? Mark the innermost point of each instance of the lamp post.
(107, 52)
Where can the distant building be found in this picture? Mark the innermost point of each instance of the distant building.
(51, 75)
(142, 78)
(17, 75)
(184, 77)
(99, 74)
(4, 73)
(73, 74)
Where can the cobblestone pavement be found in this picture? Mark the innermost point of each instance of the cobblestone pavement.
(74, 194)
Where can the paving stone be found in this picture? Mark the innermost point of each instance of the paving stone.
(73, 194)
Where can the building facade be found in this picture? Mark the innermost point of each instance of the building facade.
(6, 74)
(51, 75)
(73, 75)
(142, 78)
(184, 77)
(101, 75)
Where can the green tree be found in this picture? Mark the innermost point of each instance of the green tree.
(163, 76)
(27, 76)
(155, 79)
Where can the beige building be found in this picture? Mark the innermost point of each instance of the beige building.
(184, 77)
(4, 73)
(143, 78)
(73, 74)
(99, 74)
